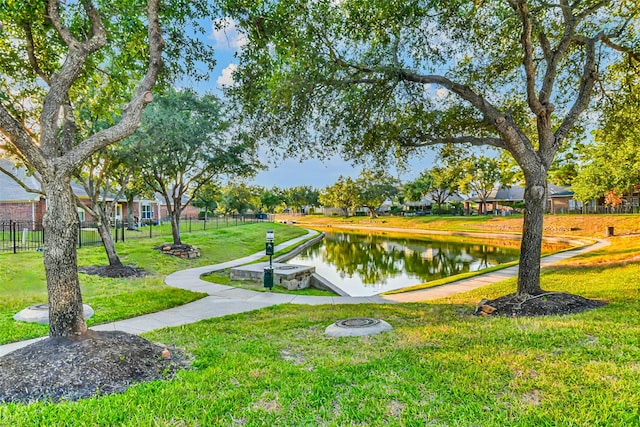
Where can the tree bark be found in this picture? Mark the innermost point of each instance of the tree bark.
(131, 223)
(531, 246)
(104, 229)
(61, 223)
(175, 226)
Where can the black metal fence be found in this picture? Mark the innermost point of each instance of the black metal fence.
(20, 236)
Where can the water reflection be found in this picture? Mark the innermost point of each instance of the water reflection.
(365, 264)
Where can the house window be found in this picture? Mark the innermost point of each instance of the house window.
(147, 212)
(80, 214)
(574, 204)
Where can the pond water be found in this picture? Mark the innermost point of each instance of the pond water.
(367, 264)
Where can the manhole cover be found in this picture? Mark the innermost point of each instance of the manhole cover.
(357, 322)
(39, 313)
(357, 327)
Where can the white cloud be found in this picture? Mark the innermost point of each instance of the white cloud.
(441, 93)
(226, 35)
(226, 78)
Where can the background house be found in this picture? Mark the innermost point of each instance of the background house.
(16, 203)
(505, 200)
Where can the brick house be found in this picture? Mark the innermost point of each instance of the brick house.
(18, 204)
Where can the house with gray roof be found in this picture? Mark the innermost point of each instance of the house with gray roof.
(18, 204)
(505, 199)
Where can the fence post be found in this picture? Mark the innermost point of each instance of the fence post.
(79, 234)
(12, 226)
(123, 231)
(150, 227)
(189, 224)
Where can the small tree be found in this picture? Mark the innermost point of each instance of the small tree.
(269, 199)
(238, 198)
(344, 194)
(481, 175)
(445, 182)
(419, 188)
(104, 179)
(181, 145)
(207, 197)
(375, 188)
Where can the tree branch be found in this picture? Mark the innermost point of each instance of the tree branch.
(556, 55)
(527, 61)
(20, 139)
(132, 112)
(31, 53)
(18, 181)
(473, 140)
(589, 77)
(606, 39)
(87, 208)
(61, 81)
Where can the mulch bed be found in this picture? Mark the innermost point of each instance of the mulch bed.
(544, 304)
(95, 363)
(113, 271)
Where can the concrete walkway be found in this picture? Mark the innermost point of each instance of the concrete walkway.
(224, 300)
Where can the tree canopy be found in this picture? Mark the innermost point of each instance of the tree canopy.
(182, 144)
(378, 78)
(612, 163)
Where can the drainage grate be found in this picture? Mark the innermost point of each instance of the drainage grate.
(357, 322)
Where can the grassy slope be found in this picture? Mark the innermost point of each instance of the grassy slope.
(566, 225)
(440, 366)
(22, 278)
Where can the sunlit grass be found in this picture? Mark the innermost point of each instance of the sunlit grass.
(23, 283)
(439, 366)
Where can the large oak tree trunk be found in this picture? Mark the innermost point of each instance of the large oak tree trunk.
(61, 223)
(531, 246)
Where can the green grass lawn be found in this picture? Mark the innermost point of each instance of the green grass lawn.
(22, 278)
(440, 366)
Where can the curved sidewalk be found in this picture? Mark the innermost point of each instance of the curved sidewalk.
(224, 300)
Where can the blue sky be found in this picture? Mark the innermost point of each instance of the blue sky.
(292, 171)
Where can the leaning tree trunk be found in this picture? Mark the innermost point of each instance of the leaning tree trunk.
(531, 246)
(61, 224)
(104, 229)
